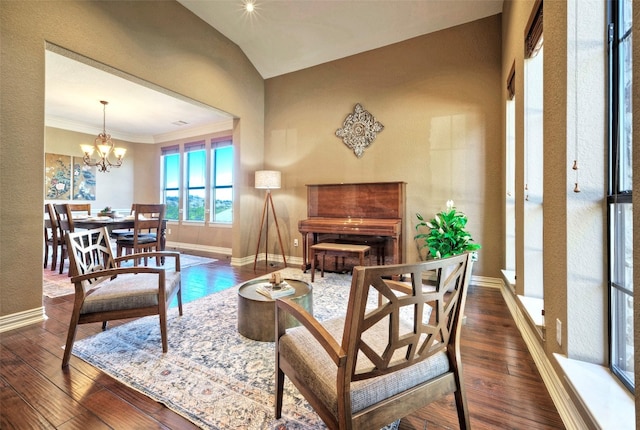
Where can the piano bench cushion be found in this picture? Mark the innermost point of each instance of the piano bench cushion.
(340, 247)
(325, 248)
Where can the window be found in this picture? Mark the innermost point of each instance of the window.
(222, 186)
(620, 207)
(533, 160)
(195, 170)
(510, 169)
(171, 181)
(203, 190)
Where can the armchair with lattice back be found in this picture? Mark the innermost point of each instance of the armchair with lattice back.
(106, 292)
(396, 349)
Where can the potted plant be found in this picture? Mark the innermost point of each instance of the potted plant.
(446, 234)
(106, 211)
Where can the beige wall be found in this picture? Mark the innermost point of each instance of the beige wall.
(575, 244)
(173, 49)
(438, 97)
(114, 189)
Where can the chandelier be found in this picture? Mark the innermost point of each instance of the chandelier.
(103, 146)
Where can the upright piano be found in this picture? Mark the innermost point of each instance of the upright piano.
(361, 210)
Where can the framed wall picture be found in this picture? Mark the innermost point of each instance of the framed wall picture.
(84, 180)
(57, 176)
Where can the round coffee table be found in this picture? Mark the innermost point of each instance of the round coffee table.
(256, 312)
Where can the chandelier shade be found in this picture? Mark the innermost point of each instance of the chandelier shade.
(104, 147)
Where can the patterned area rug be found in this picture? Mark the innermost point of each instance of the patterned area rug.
(211, 375)
(55, 284)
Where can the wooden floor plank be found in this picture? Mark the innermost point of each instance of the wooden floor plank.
(18, 414)
(504, 388)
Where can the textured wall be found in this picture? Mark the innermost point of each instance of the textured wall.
(438, 97)
(160, 42)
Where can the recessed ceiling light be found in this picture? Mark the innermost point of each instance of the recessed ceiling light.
(249, 6)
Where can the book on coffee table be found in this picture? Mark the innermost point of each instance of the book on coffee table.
(271, 292)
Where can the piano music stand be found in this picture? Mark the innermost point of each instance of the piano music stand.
(268, 179)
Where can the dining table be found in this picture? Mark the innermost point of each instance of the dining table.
(111, 224)
(118, 223)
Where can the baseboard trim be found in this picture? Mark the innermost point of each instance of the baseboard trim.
(21, 319)
(566, 408)
(199, 248)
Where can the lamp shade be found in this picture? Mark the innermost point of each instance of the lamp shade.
(267, 179)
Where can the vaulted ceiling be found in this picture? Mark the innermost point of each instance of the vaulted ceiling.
(279, 37)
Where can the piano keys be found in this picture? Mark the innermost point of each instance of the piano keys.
(359, 210)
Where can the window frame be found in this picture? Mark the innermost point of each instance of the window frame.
(216, 145)
(191, 149)
(617, 196)
(169, 151)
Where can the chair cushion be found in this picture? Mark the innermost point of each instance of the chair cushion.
(319, 372)
(127, 239)
(129, 291)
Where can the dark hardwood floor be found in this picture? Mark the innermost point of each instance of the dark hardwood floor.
(504, 389)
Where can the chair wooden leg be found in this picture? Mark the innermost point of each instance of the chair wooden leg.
(63, 256)
(163, 328)
(279, 390)
(460, 395)
(71, 337)
(179, 295)
(54, 257)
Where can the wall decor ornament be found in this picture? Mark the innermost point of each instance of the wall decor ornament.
(359, 130)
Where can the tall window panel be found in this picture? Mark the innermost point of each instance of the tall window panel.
(222, 183)
(620, 206)
(533, 157)
(171, 181)
(196, 180)
(510, 179)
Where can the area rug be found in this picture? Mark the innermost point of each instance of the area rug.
(55, 284)
(212, 375)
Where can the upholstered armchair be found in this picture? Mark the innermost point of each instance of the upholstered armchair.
(396, 350)
(105, 292)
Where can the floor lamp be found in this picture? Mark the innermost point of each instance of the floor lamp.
(268, 180)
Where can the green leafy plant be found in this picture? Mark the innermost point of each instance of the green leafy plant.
(446, 234)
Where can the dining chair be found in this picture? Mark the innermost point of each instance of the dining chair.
(105, 292)
(146, 235)
(116, 233)
(52, 239)
(65, 213)
(396, 349)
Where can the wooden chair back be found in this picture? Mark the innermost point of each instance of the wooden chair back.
(399, 347)
(105, 292)
(51, 236)
(420, 306)
(65, 213)
(147, 224)
(90, 251)
(148, 218)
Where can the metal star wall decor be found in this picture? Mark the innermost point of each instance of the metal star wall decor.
(359, 130)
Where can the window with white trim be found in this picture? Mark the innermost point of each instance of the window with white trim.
(620, 207)
(197, 181)
(222, 181)
(170, 161)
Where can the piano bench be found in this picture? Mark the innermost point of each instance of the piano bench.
(325, 248)
(376, 243)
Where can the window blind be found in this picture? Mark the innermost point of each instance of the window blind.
(533, 36)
